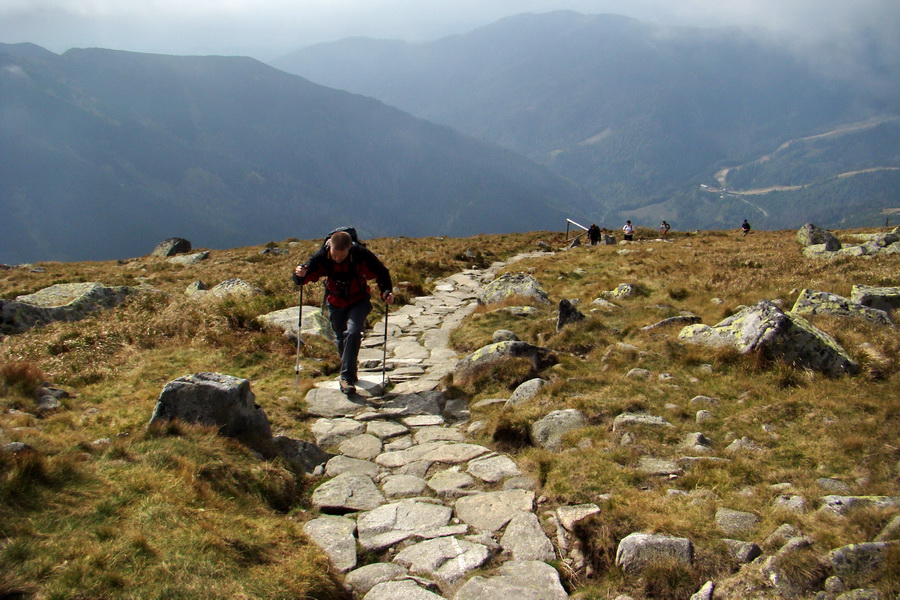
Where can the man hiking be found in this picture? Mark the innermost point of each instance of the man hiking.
(348, 266)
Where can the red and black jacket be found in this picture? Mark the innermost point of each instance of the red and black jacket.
(346, 282)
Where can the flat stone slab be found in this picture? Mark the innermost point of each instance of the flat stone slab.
(334, 535)
(442, 452)
(385, 430)
(492, 510)
(519, 580)
(451, 483)
(568, 516)
(438, 434)
(344, 464)
(405, 589)
(327, 402)
(447, 558)
(403, 486)
(386, 525)
(525, 540)
(363, 447)
(329, 432)
(348, 492)
(365, 578)
(733, 522)
(493, 469)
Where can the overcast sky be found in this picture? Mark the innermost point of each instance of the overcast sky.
(267, 29)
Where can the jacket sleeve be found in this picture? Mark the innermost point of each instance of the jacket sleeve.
(315, 268)
(375, 269)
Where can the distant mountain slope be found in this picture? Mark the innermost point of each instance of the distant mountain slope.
(637, 114)
(106, 153)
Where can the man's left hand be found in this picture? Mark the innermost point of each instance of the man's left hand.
(388, 297)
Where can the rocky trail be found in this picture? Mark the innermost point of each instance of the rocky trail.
(407, 487)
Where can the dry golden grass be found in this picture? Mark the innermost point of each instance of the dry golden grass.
(184, 513)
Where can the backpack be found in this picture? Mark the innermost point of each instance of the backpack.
(351, 230)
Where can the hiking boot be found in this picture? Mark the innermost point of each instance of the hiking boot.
(347, 387)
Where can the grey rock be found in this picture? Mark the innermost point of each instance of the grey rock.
(791, 503)
(882, 298)
(365, 578)
(842, 505)
(526, 391)
(66, 302)
(860, 594)
(639, 373)
(313, 322)
(658, 466)
(681, 320)
(331, 432)
(492, 510)
(438, 434)
(493, 469)
(363, 447)
(402, 486)
(234, 287)
(835, 486)
(809, 235)
(451, 483)
(569, 516)
(504, 335)
(742, 445)
(330, 403)
(776, 334)
(347, 492)
(622, 291)
(782, 534)
(705, 400)
(443, 452)
(705, 592)
(781, 569)
(811, 302)
(405, 589)
(334, 535)
(343, 464)
(514, 284)
(187, 260)
(494, 355)
(860, 564)
(171, 247)
(213, 399)
(548, 432)
(734, 521)
(891, 531)
(743, 552)
(446, 558)
(412, 404)
(524, 539)
(529, 580)
(628, 420)
(637, 551)
(392, 523)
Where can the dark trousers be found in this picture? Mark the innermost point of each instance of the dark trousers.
(348, 324)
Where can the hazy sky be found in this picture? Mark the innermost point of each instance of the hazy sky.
(267, 29)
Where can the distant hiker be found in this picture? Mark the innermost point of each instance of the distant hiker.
(745, 228)
(347, 265)
(664, 229)
(629, 231)
(594, 234)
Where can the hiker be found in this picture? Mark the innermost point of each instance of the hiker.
(347, 265)
(629, 231)
(745, 228)
(594, 234)
(664, 229)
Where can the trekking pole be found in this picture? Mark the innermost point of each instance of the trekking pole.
(384, 349)
(297, 365)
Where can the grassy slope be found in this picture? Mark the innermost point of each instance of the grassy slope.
(168, 513)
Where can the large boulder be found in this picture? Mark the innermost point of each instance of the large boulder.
(568, 314)
(171, 247)
(882, 298)
(776, 334)
(811, 302)
(511, 285)
(549, 431)
(60, 302)
(493, 355)
(213, 399)
(810, 235)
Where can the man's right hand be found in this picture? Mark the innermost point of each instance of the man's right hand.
(300, 271)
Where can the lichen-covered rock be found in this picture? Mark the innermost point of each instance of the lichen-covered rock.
(882, 298)
(187, 260)
(809, 235)
(235, 287)
(767, 329)
(171, 247)
(61, 302)
(213, 399)
(622, 291)
(860, 564)
(493, 355)
(549, 431)
(811, 302)
(511, 285)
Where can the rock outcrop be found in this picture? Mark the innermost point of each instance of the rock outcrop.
(766, 328)
(60, 302)
(171, 247)
(512, 285)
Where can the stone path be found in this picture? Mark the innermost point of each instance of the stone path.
(406, 490)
